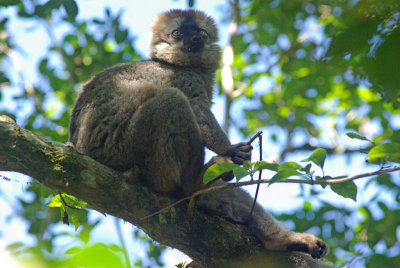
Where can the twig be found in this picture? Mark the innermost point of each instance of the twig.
(65, 203)
(258, 134)
(259, 175)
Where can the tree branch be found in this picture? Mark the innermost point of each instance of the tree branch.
(211, 241)
(312, 182)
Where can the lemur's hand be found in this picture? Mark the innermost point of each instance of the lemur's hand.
(240, 152)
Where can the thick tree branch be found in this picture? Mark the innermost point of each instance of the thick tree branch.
(210, 240)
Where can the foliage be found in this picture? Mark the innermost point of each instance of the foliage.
(321, 77)
(71, 207)
(316, 70)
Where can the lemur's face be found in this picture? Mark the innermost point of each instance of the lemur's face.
(185, 38)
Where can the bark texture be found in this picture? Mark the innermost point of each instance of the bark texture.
(211, 241)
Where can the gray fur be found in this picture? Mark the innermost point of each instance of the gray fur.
(155, 115)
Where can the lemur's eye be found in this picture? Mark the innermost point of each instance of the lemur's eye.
(203, 33)
(177, 33)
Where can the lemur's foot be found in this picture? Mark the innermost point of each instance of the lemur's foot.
(307, 243)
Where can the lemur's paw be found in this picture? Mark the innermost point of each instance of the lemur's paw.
(308, 243)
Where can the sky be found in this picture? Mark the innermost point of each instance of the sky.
(138, 15)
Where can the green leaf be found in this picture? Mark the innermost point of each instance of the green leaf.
(360, 31)
(73, 250)
(284, 174)
(346, 189)
(43, 66)
(55, 202)
(217, 169)
(240, 172)
(8, 2)
(121, 36)
(98, 21)
(356, 136)
(115, 248)
(380, 70)
(97, 255)
(247, 165)
(71, 8)
(290, 165)
(70, 200)
(46, 9)
(317, 157)
(307, 168)
(78, 217)
(307, 206)
(387, 151)
(265, 165)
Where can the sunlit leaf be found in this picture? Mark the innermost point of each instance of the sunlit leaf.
(387, 151)
(307, 206)
(55, 202)
(70, 201)
(97, 255)
(73, 250)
